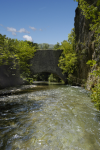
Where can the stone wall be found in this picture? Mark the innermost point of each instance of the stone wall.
(47, 61)
(9, 76)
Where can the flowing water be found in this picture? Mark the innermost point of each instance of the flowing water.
(54, 118)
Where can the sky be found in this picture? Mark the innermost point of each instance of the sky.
(39, 21)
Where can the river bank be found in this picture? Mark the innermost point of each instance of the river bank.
(37, 85)
(19, 89)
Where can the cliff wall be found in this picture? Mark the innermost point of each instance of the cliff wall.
(85, 45)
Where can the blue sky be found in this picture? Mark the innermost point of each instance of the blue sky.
(40, 21)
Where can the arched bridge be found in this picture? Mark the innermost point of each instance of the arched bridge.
(43, 61)
(47, 61)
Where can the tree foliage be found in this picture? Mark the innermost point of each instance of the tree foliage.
(57, 46)
(20, 52)
(71, 38)
(96, 90)
(31, 44)
(68, 58)
(44, 46)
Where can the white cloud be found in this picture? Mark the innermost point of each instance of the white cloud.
(40, 29)
(13, 30)
(13, 33)
(1, 25)
(28, 38)
(32, 28)
(23, 30)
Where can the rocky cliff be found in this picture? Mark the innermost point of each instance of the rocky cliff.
(85, 46)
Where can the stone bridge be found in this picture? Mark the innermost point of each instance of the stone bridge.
(43, 61)
(47, 61)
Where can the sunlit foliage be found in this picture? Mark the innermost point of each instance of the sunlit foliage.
(96, 90)
(68, 58)
(18, 52)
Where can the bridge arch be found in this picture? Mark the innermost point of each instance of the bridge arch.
(47, 61)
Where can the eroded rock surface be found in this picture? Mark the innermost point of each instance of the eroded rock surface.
(87, 51)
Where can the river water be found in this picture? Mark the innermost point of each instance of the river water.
(53, 118)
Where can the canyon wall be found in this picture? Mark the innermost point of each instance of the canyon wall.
(86, 51)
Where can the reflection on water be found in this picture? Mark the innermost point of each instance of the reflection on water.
(55, 118)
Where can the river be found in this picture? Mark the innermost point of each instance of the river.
(57, 117)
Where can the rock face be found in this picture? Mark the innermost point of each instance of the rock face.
(9, 77)
(84, 35)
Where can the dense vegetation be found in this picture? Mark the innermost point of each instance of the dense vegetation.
(45, 46)
(46, 76)
(68, 58)
(18, 52)
(92, 12)
(96, 89)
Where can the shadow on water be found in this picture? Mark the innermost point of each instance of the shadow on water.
(18, 106)
(13, 116)
(42, 83)
(37, 88)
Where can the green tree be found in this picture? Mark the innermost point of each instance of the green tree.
(95, 96)
(57, 46)
(45, 46)
(68, 58)
(40, 46)
(31, 44)
(20, 52)
(71, 38)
